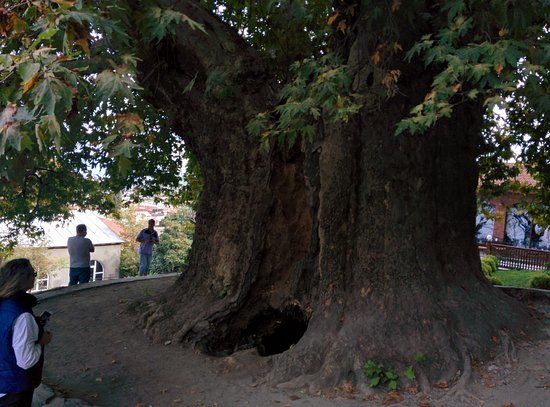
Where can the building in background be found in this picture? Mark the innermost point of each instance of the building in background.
(105, 260)
(150, 210)
(506, 222)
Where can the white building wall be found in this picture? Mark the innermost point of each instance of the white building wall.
(107, 255)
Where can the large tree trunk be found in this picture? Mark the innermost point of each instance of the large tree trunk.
(357, 246)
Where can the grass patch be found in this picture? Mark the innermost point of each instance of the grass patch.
(516, 278)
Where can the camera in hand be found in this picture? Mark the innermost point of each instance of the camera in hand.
(44, 318)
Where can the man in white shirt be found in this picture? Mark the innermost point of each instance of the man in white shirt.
(79, 248)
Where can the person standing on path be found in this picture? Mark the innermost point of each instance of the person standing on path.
(79, 248)
(147, 238)
(22, 337)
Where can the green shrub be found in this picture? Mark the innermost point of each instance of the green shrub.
(492, 260)
(170, 255)
(494, 280)
(486, 268)
(129, 261)
(540, 281)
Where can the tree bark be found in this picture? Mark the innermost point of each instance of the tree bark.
(360, 240)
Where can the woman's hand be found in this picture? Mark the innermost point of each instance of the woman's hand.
(45, 338)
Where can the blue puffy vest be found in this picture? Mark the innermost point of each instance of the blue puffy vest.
(14, 379)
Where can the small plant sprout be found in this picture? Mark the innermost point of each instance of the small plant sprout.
(379, 375)
(391, 379)
(421, 358)
(409, 373)
(374, 371)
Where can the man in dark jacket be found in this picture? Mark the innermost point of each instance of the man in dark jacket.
(147, 238)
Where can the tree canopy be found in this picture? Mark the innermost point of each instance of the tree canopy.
(77, 127)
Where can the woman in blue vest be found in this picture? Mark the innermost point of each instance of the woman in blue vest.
(22, 339)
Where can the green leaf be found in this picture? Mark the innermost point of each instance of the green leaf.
(108, 140)
(44, 35)
(10, 136)
(308, 132)
(375, 381)
(420, 358)
(257, 125)
(472, 94)
(190, 85)
(108, 84)
(390, 374)
(124, 165)
(404, 125)
(124, 148)
(156, 23)
(479, 70)
(22, 114)
(112, 83)
(52, 96)
(26, 142)
(52, 125)
(392, 385)
(315, 112)
(409, 373)
(5, 61)
(454, 8)
(27, 69)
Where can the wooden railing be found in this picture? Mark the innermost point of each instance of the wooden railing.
(517, 257)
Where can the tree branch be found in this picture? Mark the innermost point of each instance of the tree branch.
(175, 61)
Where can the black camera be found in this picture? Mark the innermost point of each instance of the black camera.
(44, 318)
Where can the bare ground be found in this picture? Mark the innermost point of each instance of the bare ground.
(98, 355)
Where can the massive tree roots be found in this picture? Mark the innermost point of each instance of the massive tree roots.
(320, 349)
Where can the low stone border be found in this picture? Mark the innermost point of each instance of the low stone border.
(527, 294)
(58, 291)
(46, 396)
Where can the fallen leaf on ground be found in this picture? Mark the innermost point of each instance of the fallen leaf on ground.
(509, 405)
(294, 397)
(393, 397)
(347, 389)
(442, 384)
(412, 389)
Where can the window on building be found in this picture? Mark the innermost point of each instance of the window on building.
(97, 270)
(41, 284)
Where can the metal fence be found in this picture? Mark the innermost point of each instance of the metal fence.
(517, 257)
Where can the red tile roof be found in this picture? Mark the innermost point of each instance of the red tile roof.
(115, 227)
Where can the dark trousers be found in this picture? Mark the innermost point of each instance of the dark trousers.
(79, 275)
(23, 399)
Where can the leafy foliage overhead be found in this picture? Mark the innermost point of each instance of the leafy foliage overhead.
(75, 126)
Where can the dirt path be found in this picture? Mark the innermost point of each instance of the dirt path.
(99, 356)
